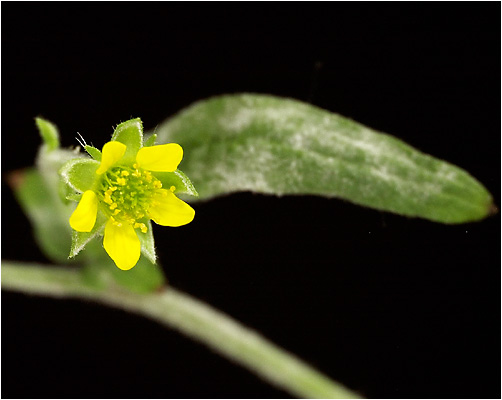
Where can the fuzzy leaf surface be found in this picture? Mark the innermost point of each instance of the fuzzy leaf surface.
(282, 146)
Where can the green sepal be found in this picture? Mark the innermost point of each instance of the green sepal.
(48, 216)
(49, 133)
(93, 152)
(130, 133)
(81, 239)
(147, 242)
(179, 180)
(73, 196)
(80, 173)
(145, 277)
(150, 140)
(64, 192)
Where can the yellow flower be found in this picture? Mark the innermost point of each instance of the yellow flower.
(130, 195)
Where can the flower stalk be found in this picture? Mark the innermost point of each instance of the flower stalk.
(189, 316)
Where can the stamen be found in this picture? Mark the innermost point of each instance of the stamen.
(129, 193)
(142, 226)
(115, 222)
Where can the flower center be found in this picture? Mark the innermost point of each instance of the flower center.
(128, 193)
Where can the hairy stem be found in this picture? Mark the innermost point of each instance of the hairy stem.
(189, 316)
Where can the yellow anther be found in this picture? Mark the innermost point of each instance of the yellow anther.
(116, 211)
(113, 206)
(108, 199)
(172, 188)
(148, 176)
(142, 226)
(121, 181)
(157, 184)
(113, 188)
(136, 174)
(135, 165)
(124, 173)
(115, 222)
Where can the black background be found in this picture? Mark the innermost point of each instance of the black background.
(390, 306)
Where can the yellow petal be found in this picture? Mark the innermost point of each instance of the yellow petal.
(112, 152)
(84, 216)
(122, 244)
(165, 157)
(168, 210)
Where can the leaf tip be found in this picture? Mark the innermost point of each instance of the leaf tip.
(492, 209)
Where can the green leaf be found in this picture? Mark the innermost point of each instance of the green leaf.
(131, 134)
(282, 146)
(179, 180)
(80, 173)
(45, 212)
(147, 242)
(49, 133)
(93, 152)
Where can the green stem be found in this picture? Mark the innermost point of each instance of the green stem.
(189, 316)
